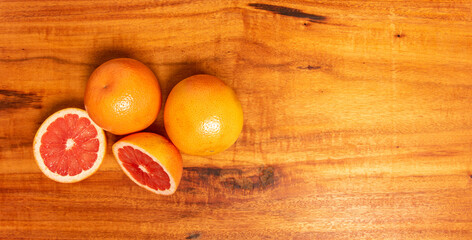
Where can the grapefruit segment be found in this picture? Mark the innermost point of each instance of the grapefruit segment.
(69, 147)
(144, 169)
(151, 161)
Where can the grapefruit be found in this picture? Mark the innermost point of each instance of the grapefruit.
(123, 96)
(151, 161)
(202, 115)
(68, 146)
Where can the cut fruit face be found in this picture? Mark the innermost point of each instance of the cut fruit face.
(143, 169)
(68, 146)
(150, 161)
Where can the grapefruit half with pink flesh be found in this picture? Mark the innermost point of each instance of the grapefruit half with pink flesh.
(151, 161)
(69, 146)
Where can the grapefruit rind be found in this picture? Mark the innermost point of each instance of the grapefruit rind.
(120, 144)
(84, 174)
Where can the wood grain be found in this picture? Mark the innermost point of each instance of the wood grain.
(358, 121)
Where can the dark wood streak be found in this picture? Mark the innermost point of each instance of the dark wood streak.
(12, 99)
(249, 178)
(115, 15)
(77, 10)
(193, 236)
(286, 11)
(261, 180)
(55, 59)
(19, 144)
(309, 67)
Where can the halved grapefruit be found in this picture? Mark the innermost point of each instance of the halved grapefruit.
(151, 161)
(69, 146)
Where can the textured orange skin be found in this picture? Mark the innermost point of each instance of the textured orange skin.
(123, 96)
(202, 115)
(162, 149)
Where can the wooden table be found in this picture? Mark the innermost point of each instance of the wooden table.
(358, 118)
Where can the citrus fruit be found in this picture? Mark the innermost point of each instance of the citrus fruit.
(69, 147)
(202, 115)
(123, 96)
(151, 161)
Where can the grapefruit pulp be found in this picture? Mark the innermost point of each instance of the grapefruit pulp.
(68, 146)
(151, 161)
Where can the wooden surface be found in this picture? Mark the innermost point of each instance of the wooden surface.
(358, 118)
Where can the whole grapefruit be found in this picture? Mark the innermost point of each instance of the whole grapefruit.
(202, 115)
(123, 96)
